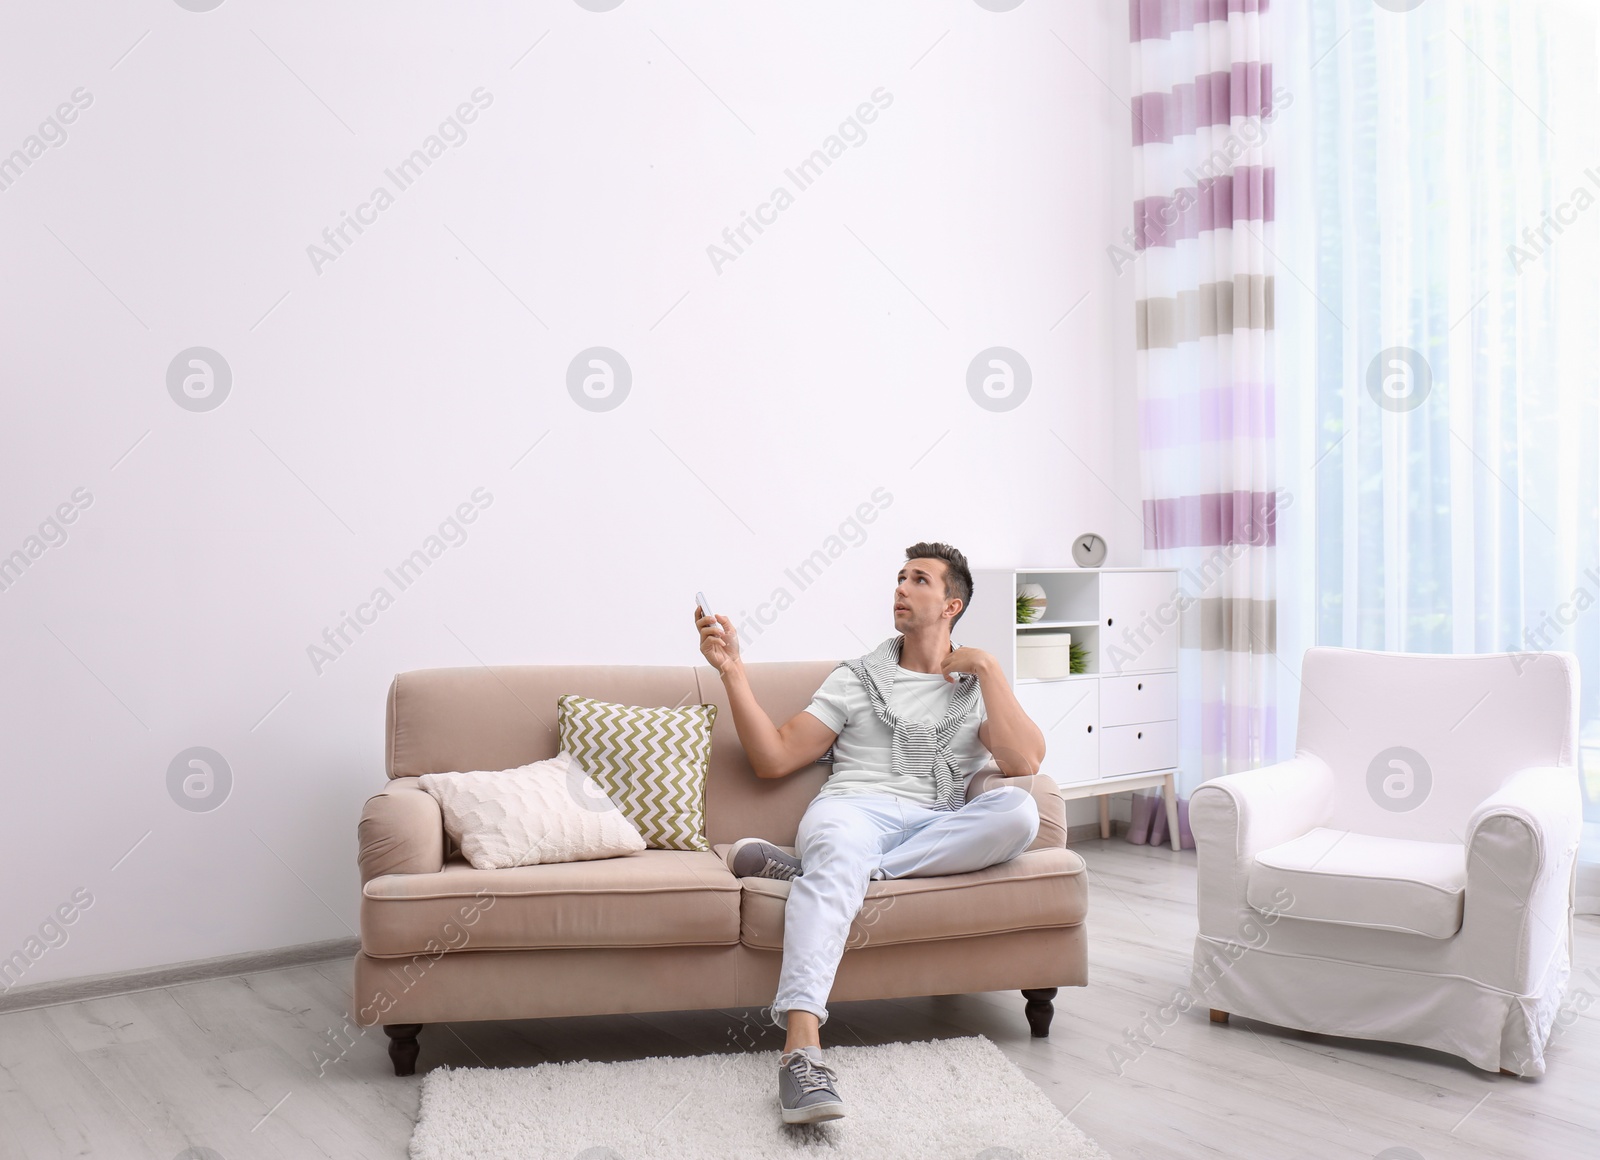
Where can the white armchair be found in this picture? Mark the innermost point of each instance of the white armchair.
(1408, 875)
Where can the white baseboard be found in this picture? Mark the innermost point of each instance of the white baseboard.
(153, 978)
(1090, 831)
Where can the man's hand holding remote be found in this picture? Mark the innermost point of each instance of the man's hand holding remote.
(719, 641)
(772, 752)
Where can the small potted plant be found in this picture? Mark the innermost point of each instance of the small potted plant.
(1030, 603)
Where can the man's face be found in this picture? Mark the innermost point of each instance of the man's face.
(919, 599)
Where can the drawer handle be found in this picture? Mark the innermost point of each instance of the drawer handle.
(1090, 729)
(1139, 687)
(1108, 622)
(1139, 736)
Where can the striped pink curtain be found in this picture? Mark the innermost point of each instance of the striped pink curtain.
(1203, 288)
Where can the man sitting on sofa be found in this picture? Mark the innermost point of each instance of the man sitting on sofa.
(908, 723)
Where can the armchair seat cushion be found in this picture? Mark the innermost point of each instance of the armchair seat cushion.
(1037, 888)
(1339, 876)
(655, 898)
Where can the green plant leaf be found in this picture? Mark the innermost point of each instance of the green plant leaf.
(1080, 659)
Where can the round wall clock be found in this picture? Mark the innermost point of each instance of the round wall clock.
(1089, 550)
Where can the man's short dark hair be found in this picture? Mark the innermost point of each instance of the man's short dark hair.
(957, 576)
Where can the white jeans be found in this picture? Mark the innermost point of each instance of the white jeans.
(845, 840)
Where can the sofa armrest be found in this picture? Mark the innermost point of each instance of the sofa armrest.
(401, 831)
(1237, 816)
(1521, 842)
(1046, 793)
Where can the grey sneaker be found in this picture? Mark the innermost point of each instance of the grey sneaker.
(756, 858)
(806, 1088)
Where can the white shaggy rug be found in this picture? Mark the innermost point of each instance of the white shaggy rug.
(943, 1099)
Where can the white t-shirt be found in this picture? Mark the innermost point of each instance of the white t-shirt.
(862, 753)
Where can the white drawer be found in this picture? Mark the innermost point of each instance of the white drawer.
(1067, 712)
(1131, 700)
(1138, 748)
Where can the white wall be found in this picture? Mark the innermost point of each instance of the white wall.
(374, 394)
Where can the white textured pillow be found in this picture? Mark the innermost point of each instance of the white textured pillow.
(550, 811)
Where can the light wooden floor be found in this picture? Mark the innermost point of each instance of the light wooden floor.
(229, 1064)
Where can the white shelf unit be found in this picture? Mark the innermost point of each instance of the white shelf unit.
(1114, 727)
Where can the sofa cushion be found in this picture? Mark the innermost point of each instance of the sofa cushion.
(652, 898)
(1037, 888)
(651, 761)
(543, 812)
(1353, 879)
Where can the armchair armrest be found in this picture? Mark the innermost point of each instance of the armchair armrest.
(1261, 808)
(1237, 816)
(1543, 804)
(1521, 843)
(401, 832)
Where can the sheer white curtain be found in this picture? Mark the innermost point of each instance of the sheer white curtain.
(1438, 316)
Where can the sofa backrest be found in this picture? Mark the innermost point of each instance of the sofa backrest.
(1416, 740)
(738, 803)
(500, 717)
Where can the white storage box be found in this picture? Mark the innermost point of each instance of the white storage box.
(1044, 655)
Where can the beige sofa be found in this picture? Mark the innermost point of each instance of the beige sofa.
(662, 930)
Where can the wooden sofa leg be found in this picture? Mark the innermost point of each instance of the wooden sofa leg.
(1218, 1016)
(403, 1046)
(1040, 1010)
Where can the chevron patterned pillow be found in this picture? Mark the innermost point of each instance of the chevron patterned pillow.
(651, 762)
